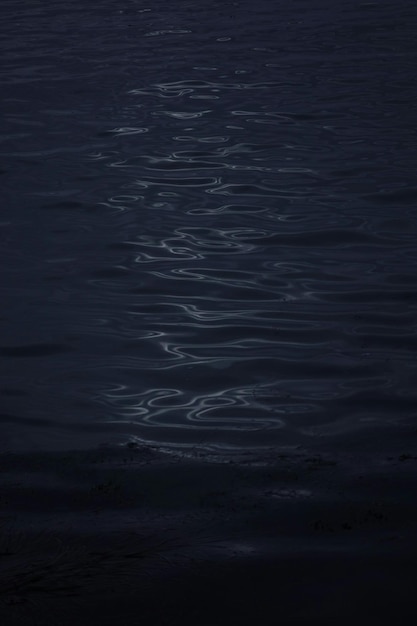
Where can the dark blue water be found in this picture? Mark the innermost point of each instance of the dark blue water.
(208, 222)
(208, 261)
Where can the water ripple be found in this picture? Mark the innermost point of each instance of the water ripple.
(210, 240)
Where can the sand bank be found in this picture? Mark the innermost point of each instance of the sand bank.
(133, 535)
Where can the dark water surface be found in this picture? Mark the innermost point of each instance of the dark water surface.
(208, 222)
(208, 313)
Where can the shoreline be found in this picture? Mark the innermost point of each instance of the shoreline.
(106, 534)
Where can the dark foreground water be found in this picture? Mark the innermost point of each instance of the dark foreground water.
(208, 312)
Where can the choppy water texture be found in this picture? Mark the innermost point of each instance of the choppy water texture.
(208, 222)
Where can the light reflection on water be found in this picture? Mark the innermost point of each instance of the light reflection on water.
(206, 239)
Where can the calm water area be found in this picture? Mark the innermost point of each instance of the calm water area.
(208, 353)
(208, 222)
